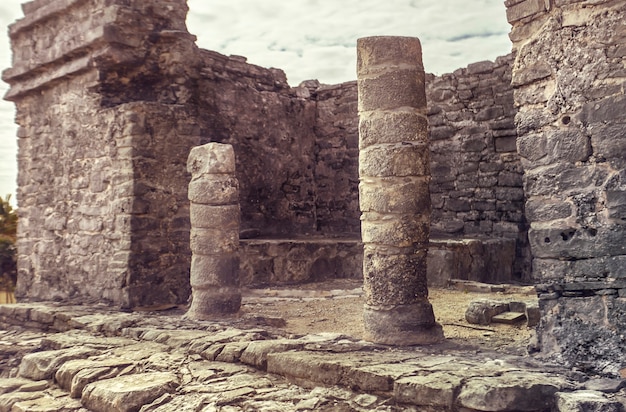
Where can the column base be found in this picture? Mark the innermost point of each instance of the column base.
(402, 325)
(213, 303)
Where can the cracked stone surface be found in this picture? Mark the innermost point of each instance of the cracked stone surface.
(81, 358)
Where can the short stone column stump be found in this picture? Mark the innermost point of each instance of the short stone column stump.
(215, 219)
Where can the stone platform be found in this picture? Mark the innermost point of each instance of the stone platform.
(56, 357)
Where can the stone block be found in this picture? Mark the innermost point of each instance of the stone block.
(543, 209)
(542, 181)
(533, 315)
(214, 190)
(563, 241)
(224, 217)
(610, 110)
(394, 195)
(306, 368)
(505, 144)
(128, 393)
(482, 311)
(436, 389)
(402, 231)
(608, 142)
(511, 391)
(482, 67)
(531, 73)
(393, 127)
(43, 365)
(442, 132)
(524, 9)
(256, 352)
(568, 145)
(532, 146)
(214, 270)
(572, 323)
(394, 89)
(46, 403)
(616, 204)
(393, 279)
(211, 158)
(605, 385)
(586, 401)
(442, 266)
(398, 160)
(213, 241)
(387, 51)
(489, 113)
(473, 144)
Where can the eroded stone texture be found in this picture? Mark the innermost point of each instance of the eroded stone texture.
(476, 187)
(214, 232)
(394, 170)
(569, 86)
(105, 125)
(116, 109)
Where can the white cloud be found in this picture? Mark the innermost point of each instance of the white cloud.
(314, 39)
(290, 34)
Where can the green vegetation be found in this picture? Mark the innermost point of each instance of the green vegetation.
(8, 231)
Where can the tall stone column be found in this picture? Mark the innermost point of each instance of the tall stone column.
(214, 196)
(394, 192)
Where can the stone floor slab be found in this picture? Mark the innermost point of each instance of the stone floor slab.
(43, 365)
(127, 393)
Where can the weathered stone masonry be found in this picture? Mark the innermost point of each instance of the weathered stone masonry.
(111, 196)
(111, 96)
(569, 78)
(101, 163)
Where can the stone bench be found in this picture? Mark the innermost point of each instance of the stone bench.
(291, 261)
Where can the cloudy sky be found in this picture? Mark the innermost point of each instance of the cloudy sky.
(312, 39)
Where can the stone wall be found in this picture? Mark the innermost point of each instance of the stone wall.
(569, 78)
(271, 130)
(476, 185)
(336, 159)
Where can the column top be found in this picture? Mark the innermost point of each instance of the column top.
(389, 51)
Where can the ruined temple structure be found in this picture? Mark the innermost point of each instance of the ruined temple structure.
(526, 158)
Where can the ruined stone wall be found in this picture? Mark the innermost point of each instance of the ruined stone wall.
(476, 186)
(296, 147)
(569, 78)
(102, 97)
(477, 178)
(271, 130)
